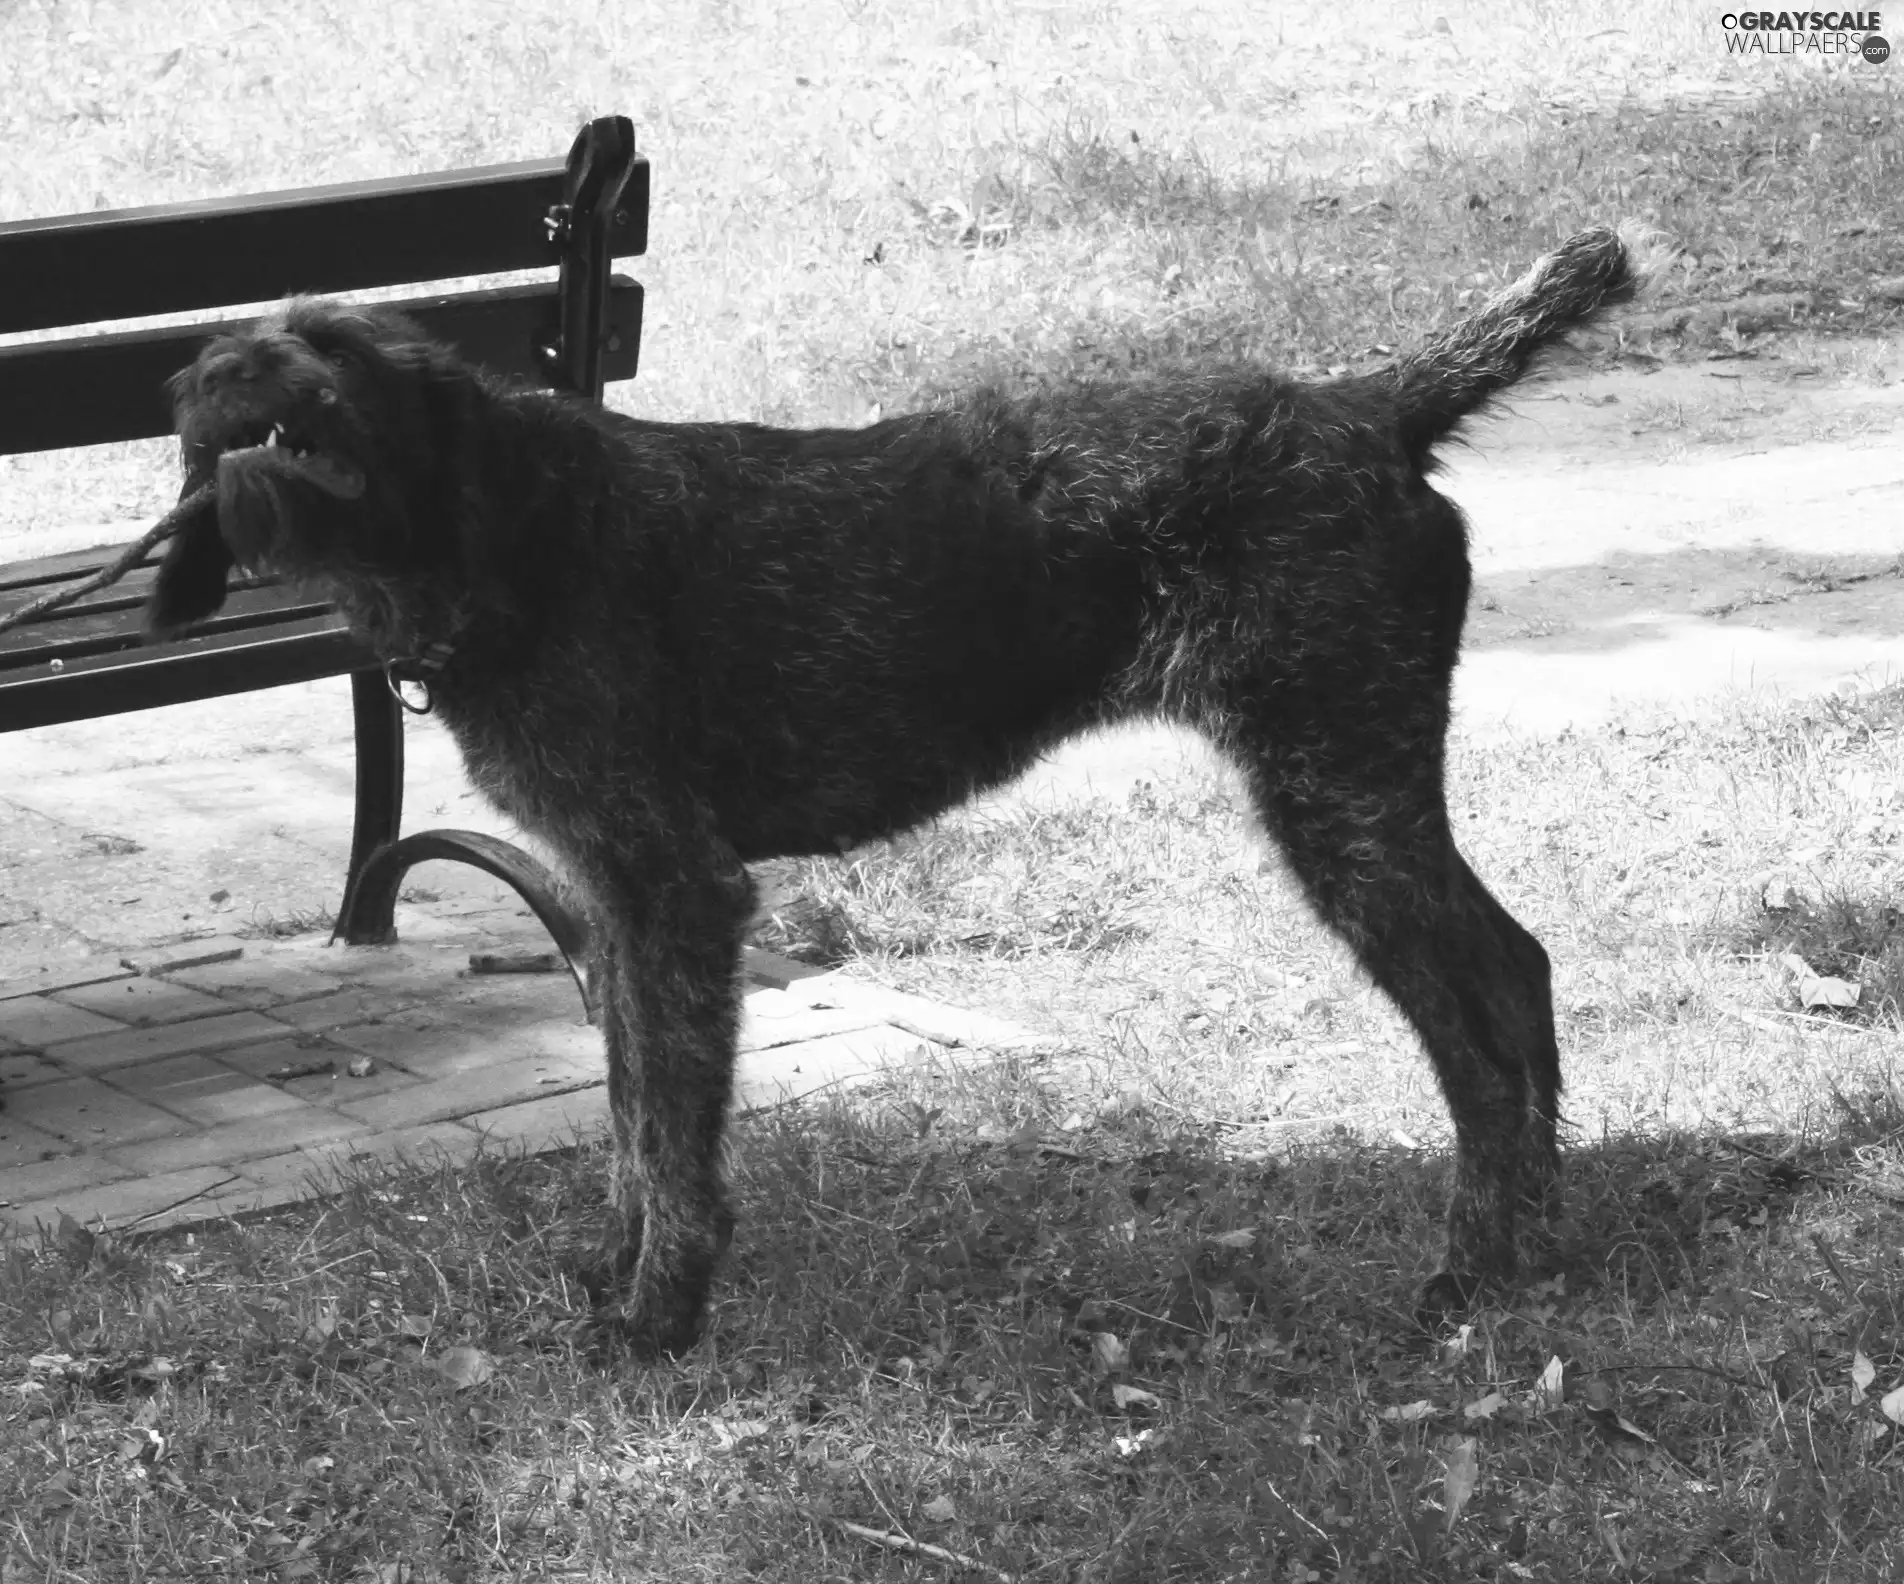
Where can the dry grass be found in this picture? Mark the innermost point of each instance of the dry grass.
(1139, 1312)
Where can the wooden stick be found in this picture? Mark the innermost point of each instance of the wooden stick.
(128, 558)
(899, 1542)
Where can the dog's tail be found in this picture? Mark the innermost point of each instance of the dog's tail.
(1456, 372)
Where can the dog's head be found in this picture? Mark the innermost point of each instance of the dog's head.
(318, 429)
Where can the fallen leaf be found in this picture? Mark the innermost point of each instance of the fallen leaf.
(1464, 1469)
(1408, 1413)
(1613, 1426)
(940, 1509)
(1863, 1372)
(1456, 1347)
(1485, 1407)
(465, 1366)
(1241, 1238)
(1891, 1405)
(1550, 1391)
(1226, 1303)
(1110, 1353)
(1819, 990)
(1128, 1397)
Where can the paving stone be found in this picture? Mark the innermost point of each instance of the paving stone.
(257, 982)
(423, 1145)
(410, 1038)
(24, 1185)
(415, 970)
(567, 1045)
(774, 1017)
(264, 1062)
(773, 970)
(86, 1112)
(463, 1093)
(237, 1196)
(552, 1122)
(353, 1004)
(932, 1020)
(20, 1068)
(202, 1091)
(443, 1053)
(770, 1078)
(236, 1141)
(128, 1203)
(490, 1000)
(62, 978)
(99, 1052)
(144, 1002)
(38, 1022)
(22, 1145)
(428, 924)
(185, 954)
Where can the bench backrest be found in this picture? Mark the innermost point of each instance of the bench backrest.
(80, 270)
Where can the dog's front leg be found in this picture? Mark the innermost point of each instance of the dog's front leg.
(670, 1019)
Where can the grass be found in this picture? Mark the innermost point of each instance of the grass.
(864, 209)
(1140, 1311)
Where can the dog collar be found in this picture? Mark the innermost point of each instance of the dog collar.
(417, 671)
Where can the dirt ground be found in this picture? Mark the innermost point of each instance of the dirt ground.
(1668, 532)
(1645, 536)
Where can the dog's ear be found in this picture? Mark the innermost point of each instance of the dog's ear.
(190, 584)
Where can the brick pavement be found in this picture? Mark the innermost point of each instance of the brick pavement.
(224, 1076)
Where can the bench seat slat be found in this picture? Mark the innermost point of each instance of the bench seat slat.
(197, 667)
(111, 387)
(113, 624)
(180, 258)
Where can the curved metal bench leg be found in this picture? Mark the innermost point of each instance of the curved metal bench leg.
(366, 918)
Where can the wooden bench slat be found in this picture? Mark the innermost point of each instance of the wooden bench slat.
(198, 667)
(113, 624)
(174, 258)
(111, 387)
(35, 577)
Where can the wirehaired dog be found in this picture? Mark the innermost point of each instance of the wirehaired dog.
(671, 649)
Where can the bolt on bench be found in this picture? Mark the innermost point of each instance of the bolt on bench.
(575, 333)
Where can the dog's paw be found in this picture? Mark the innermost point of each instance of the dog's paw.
(191, 581)
(649, 1328)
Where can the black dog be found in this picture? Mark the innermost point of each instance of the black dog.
(673, 649)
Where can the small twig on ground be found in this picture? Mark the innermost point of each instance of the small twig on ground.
(127, 559)
(899, 1542)
(1831, 1259)
(1206, 1120)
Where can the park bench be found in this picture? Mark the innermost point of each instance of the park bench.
(78, 386)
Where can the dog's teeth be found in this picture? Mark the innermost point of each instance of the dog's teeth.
(272, 438)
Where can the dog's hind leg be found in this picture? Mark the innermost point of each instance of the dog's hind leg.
(1364, 824)
(670, 932)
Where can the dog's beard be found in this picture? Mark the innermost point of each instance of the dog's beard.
(265, 490)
